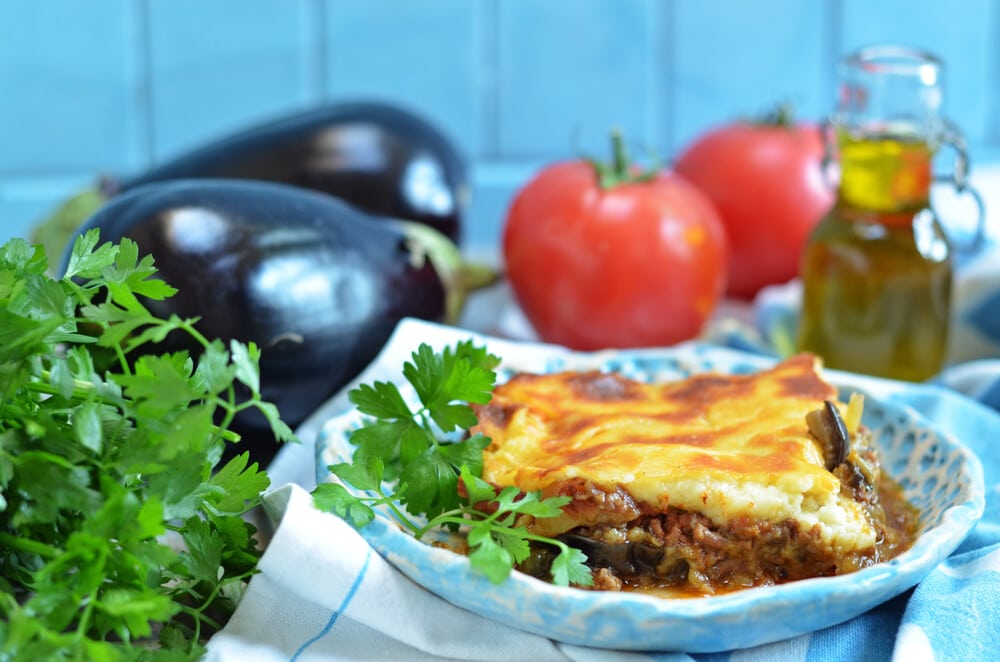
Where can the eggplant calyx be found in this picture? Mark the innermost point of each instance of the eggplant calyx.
(458, 277)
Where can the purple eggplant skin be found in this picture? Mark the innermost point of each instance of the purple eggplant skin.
(383, 159)
(316, 284)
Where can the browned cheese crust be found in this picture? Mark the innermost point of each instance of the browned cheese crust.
(705, 485)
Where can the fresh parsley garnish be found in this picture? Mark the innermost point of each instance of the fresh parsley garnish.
(120, 536)
(423, 453)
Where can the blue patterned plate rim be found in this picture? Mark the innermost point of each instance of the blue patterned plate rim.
(632, 621)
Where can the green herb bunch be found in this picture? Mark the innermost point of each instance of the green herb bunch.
(120, 536)
(423, 454)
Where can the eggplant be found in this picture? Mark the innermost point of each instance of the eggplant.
(827, 426)
(387, 161)
(317, 284)
(625, 558)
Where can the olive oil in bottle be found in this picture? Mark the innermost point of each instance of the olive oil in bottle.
(877, 270)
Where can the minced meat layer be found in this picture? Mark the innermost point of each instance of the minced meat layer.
(686, 551)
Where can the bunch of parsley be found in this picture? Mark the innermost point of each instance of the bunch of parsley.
(120, 536)
(422, 454)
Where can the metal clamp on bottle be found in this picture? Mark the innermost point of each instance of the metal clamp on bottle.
(959, 180)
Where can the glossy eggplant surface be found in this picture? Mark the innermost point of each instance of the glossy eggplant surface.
(383, 159)
(317, 284)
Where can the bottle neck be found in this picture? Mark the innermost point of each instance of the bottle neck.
(885, 173)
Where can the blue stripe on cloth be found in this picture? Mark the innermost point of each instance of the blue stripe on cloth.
(872, 636)
(336, 614)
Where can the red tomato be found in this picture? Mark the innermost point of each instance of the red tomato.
(767, 184)
(637, 264)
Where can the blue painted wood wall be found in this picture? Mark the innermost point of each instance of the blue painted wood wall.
(116, 85)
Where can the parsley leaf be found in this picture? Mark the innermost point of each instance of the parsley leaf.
(335, 498)
(417, 447)
(569, 568)
(406, 439)
(106, 446)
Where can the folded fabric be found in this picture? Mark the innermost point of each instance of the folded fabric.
(324, 594)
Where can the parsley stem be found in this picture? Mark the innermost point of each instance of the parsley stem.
(452, 516)
(122, 360)
(550, 541)
(199, 618)
(81, 389)
(28, 545)
(229, 406)
(444, 519)
(400, 515)
(216, 589)
(455, 517)
(195, 333)
(44, 387)
(84, 623)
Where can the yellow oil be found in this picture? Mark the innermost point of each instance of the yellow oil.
(885, 173)
(877, 269)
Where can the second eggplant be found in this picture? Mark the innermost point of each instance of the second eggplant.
(386, 160)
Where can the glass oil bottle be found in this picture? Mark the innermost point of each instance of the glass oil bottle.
(877, 270)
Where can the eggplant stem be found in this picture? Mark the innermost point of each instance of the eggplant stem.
(458, 277)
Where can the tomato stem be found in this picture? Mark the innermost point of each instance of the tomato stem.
(621, 169)
(781, 117)
(621, 162)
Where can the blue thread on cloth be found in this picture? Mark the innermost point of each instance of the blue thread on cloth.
(336, 614)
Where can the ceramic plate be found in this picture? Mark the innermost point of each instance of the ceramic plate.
(939, 475)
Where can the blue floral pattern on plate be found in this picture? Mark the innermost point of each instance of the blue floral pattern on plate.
(938, 475)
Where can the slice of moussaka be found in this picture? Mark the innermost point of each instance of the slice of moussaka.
(706, 485)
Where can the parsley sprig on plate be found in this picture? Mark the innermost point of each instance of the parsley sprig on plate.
(422, 452)
(120, 536)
